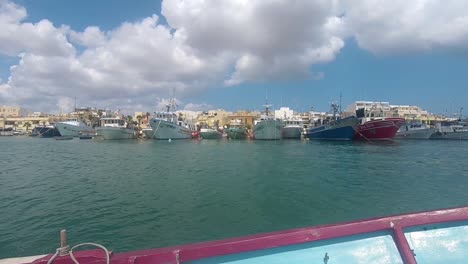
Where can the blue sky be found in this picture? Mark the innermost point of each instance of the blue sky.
(430, 71)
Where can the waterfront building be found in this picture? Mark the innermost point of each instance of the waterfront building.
(284, 113)
(246, 118)
(213, 118)
(385, 109)
(11, 111)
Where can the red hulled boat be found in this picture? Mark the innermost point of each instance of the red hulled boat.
(383, 128)
(375, 126)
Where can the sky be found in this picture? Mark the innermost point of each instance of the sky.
(233, 54)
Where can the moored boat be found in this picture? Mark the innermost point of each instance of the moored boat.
(457, 130)
(236, 132)
(339, 129)
(45, 131)
(169, 125)
(209, 133)
(268, 127)
(73, 127)
(438, 236)
(335, 129)
(293, 129)
(374, 126)
(148, 132)
(415, 130)
(114, 128)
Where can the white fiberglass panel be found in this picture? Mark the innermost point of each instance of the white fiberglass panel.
(437, 244)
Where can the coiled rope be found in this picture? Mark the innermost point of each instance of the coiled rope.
(63, 251)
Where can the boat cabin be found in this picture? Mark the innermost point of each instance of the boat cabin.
(113, 122)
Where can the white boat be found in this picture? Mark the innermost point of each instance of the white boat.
(451, 130)
(292, 129)
(114, 128)
(268, 127)
(73, 127)
(148, 132)
(414, 131)
(168, 125)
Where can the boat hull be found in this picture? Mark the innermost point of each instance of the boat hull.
(460, 135)
(236, 133)
(115, 133)
(415, 134)
(167, 130)
(268, 130)
(68, 130)
(384, 129)
(291, 132)
(425, 237)
(45, 132)
(342, 129)
(148, 133)
(210, 134)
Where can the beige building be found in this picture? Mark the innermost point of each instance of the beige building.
(214, 118)
(11, 111)
(409, 112)
(19, 123)
(246, 118)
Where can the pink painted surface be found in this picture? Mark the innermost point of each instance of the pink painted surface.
(383, 129)
(181, 254)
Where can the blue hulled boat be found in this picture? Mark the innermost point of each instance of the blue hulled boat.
(45, 131)
(340, 129)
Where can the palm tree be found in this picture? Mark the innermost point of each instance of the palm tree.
(27, 125)
(139, 117)
(129, 119)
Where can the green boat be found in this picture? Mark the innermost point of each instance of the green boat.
(208, 133)
(236, 132)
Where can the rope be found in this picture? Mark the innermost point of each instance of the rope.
(62, 249)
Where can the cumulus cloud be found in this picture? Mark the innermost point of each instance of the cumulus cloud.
(198, 107)
(267, 40)
(400, 26)
(208, 44)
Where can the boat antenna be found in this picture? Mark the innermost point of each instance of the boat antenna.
(340, 103)
(460, 115)
(75, 103)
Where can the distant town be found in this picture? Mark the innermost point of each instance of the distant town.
(19, 119)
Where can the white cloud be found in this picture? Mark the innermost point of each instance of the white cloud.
(207, 44)
(266, 39)
(400, 26)
(198, 107)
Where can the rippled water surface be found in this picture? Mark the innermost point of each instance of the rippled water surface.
(130, 195)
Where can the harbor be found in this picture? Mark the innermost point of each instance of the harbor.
(362, 120)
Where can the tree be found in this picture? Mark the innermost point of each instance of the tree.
(129, 119)
(139, 117)
(27, 125)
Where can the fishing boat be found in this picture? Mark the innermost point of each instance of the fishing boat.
(113, 128)
(45, 131)
(236, 130)
(374, 126)
(415, 130)
(209, 133)
(169, 125)
(73, 127)
(148, 132)
(439, 236)
(292, 128)
(457, 130)
(336, 128)
(267, 127)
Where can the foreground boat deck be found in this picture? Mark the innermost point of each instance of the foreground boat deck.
(427, 237)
